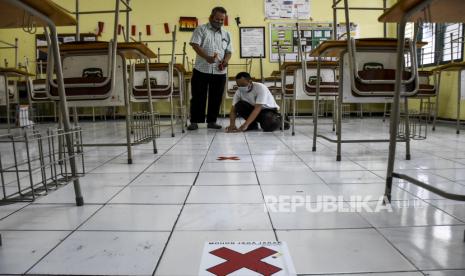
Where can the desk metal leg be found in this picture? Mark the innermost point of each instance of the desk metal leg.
(149, 94)
(294, 102)
(384, 111)
(65, 114)
(172, 114)
(339, 117)
(459, 96)
(339, 126)
(182, 88)
(316, 105)
(407, 130)
(127, 104)
(437, 80)
(334, 113)
(7, 102)
(395, 109)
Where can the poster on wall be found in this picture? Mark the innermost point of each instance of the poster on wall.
(284, 39)
(188, 24)
(252, 42)
(342, 30)
(278, 9)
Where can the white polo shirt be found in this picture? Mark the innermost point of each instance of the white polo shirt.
(260, 94)
(211, 41)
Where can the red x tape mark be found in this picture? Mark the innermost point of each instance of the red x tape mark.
(250, 260)
(222, 158)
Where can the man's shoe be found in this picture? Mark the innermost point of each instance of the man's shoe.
(214, 126)
(287, 126)
(193, 126)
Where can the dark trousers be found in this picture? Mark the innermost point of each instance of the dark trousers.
(269, 119)
(204, 85)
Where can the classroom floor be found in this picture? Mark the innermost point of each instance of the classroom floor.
(153, 217)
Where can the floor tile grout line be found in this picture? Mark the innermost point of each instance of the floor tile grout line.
(162, 253)
(265, 207)
(367, 170)
(395, 247)
(35, 203)
(301, 159)
(367, 273)
(252, 230)
(92, 215)
(373, 227)
(443, 210)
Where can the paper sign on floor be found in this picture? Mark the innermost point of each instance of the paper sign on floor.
(239, 258)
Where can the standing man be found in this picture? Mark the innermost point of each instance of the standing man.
(213, 47)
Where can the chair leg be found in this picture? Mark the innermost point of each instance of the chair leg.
(407, 131)
(172, 115)
(384, 112)
(181, 108)
(294, 102)
(339, 129)
(334, 113)
(283, 112)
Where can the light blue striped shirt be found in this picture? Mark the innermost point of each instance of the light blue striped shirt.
(211, 41)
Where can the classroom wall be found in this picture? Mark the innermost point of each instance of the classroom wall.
(156, 13)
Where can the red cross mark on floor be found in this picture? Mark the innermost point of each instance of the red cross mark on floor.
(251, 260)
(222, 158)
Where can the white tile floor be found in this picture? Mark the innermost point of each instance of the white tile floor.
(154, 216)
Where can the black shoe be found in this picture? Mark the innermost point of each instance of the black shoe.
(286, 126)
(214, 126)
(193, 126)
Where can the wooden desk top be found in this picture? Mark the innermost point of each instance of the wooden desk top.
(273, 79)
(425, 73)
(14, 72)
(276, 73)
(130, 50)
(333, 48)
(455, 66)
(154, 66)
(12, 16)
(438, 11)
(310, 64)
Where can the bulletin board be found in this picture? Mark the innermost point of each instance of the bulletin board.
(277, 9)
(252, 42)
(284, 36)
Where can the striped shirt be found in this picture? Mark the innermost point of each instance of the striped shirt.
(211, 41)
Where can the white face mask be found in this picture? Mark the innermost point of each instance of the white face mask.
(244, 89)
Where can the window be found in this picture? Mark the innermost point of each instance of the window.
(408, 34)
(409, 30)
(427, 52)
(452, 32)
(438, 37)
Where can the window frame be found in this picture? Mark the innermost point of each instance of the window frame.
(443, 31)
(439, 37)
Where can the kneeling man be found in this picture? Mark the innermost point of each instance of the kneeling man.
(254, 102)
